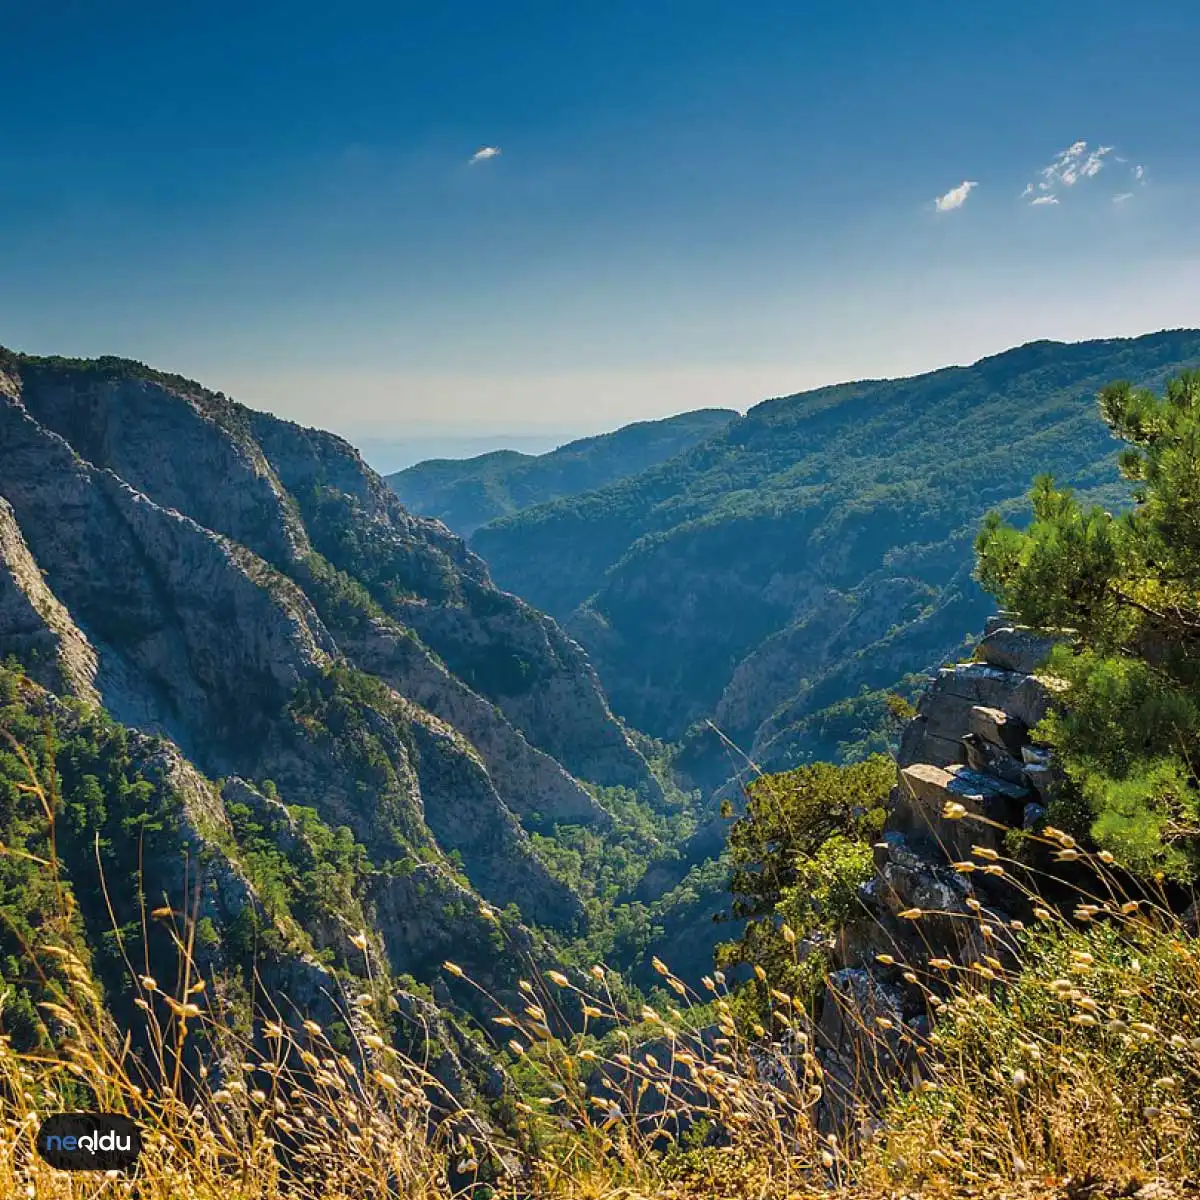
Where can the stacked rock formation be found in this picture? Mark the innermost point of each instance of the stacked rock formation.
(969, 745)
(970, 740)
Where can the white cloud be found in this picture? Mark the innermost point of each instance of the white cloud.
(1122, 197)
(1074, 163)
(1069, 167)
(484, 153)
(1094, 161)
(1139, 173)
(955, 197)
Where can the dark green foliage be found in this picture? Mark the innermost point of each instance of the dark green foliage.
(107, 821)
(340, 600)
(389, 569)
(851, 729)
(798, 856)
(1129, 737)
(497, 670)
(301, 869)
(469, 493)
(608, 864)
(684, 570)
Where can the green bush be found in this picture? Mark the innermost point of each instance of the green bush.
(799, 856)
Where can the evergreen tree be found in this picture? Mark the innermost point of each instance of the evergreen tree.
(1128, 734)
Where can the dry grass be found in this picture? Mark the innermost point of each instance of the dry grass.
(1064, 1061)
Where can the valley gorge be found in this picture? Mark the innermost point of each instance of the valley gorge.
(279, 721)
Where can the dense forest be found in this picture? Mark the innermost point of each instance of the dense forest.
(820, 545)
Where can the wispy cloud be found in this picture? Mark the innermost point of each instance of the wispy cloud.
(1138, 174)
(1068, 168)
(955, 197)
(484, 153)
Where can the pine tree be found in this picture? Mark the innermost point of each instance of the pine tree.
(1129, 585)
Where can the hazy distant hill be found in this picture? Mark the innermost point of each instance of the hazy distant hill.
(467, 493)
(818, 545)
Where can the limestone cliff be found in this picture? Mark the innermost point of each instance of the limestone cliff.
(425, 577)
(253, 592)
(39, 630)
(192, 876)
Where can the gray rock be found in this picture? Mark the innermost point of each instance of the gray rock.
(1043, 780)
(34, 626)
(926, 790)
(1025, 697)
(858, 1054)
(918, 744)
(1017, 648)
(998, 727)
(989, 759)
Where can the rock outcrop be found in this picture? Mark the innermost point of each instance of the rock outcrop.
(968, 747)
(38, 629)
(189, 872)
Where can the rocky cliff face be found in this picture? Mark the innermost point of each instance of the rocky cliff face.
(39, 630)
(188, 865)
(251, 591)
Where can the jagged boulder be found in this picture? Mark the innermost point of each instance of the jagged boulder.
(999, 728)
(926, 790)
(945, 711)
(968, 747)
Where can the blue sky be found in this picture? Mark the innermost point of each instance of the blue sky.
(694, 203)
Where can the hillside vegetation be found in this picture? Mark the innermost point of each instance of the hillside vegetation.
(924, 1001)
(819, 545)
(467, 493)
(277, 699)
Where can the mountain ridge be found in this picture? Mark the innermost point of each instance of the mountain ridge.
(467, 493)
(249, 596)
(675, 577)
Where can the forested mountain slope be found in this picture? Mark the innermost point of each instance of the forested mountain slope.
(821, 543)
(470, 492)
(335, 708)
